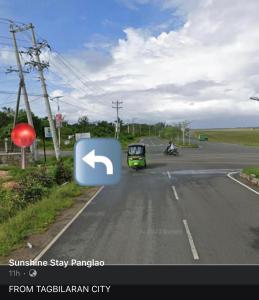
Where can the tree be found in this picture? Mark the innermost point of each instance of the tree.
(83, 121)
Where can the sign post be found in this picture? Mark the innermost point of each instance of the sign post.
(46, 133)
(23, 135)
(6, 145)
(23, 157)
(59, 119)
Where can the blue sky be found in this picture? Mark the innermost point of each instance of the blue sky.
(68, 24)
(168, 60)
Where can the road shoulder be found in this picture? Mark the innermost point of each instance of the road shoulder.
(35, 243)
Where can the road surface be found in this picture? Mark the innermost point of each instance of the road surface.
(180, 210)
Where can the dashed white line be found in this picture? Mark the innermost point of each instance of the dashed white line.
(169, 174)
(175, 193)
(191, 242)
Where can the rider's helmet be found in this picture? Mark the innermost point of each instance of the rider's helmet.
(170, 142)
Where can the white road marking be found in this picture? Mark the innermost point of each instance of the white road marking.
(204, 172)
(191, 242)
(38, 257)
(175, 193)
(241, 183)
(168, 174)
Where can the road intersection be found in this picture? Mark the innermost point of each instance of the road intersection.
(180, 210)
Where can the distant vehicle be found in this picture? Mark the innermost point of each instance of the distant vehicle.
(136, 156)
(203, 137)
(174, 151)
(171, 149)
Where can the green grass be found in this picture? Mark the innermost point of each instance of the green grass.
(36, 217)
(246, 136)
(17, 172)
(251, 170)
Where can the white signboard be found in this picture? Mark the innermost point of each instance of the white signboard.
(47, 132)
(85, 135)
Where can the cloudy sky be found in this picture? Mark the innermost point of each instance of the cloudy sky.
(167, 60)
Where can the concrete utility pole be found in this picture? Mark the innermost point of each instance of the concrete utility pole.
(133, 126)
(17, 104)
(22, 86)
(183, 131)
(184, 125)
(60, 122)
(40, 67)
(117, 107)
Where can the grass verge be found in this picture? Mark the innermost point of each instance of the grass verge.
(245, 136)
(36, 217)
(251, 170)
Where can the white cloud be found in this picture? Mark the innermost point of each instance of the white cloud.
(7, 56)
(206, 70)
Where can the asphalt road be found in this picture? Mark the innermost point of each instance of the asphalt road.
(180, 210)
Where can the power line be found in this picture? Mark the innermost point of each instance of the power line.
(14, 93)
(9, 38)
(75, 73)
(74, 70)
(75, 105)
(58, 67)
(71, 69)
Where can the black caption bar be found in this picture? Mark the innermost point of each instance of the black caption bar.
(131, 275)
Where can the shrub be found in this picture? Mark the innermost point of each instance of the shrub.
(8, 204)
(42, 176)
(62, 173)
(32, 186)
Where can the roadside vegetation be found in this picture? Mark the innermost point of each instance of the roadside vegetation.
(30, 199)
(246, 136)
(251, 170)
(174, 134)
(35, 217)
(129, 133)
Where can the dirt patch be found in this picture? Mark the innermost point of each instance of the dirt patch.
(247, 182)
(34, 244)
(3, 173)
(9, 185)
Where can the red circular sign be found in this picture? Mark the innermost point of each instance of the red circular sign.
(23, 135)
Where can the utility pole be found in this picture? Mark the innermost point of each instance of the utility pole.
(133, 126)
(117, 107)
(184, 125)
(58, 121)
(17, 104)
(22, 86)
(40, 67)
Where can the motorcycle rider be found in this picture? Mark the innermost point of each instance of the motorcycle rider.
(171, 147)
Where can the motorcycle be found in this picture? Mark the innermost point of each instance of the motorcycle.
(169, 151)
